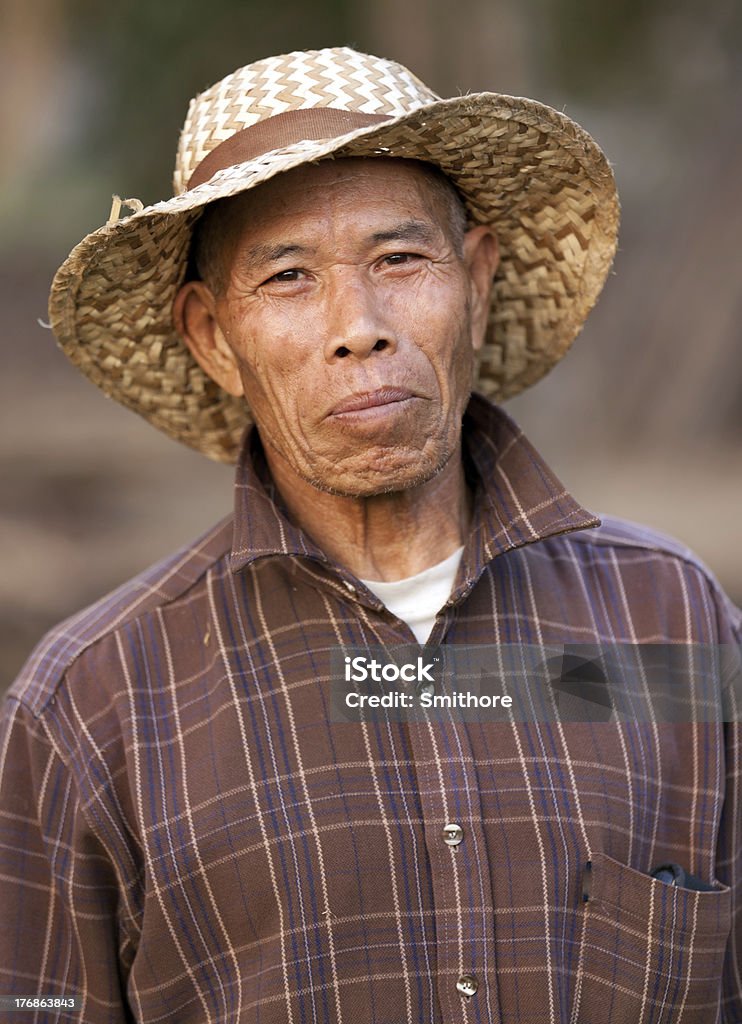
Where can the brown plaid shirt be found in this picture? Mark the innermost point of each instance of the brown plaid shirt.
(186, 835)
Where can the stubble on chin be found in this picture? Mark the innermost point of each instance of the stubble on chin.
(368, 482)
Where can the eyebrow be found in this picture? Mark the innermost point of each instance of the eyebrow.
(408, 231)
(262, 254)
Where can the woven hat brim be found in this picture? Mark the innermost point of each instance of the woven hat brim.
(533, 174)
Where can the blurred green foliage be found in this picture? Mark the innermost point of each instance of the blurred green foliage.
(597, 41)
(146, 60)
(142, 60)
(627, 50)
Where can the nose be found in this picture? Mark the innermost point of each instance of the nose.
(356, 323)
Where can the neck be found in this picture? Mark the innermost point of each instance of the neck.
(385, 536)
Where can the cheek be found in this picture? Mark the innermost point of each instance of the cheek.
(273, 368)
(262, 347)
(443, 332)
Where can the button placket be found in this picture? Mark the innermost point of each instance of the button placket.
(448, 785)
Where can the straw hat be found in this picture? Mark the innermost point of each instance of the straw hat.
(527, 170)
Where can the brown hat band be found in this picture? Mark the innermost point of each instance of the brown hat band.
(276, 132)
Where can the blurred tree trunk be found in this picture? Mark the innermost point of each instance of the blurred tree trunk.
(469, 45)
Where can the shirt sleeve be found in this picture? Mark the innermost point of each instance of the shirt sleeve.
(729, 854)
(60, 892)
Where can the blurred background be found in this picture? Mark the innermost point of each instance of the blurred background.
(642, 419)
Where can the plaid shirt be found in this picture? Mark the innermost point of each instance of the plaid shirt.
(186, 835)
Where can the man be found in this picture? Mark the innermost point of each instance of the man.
(188, 832)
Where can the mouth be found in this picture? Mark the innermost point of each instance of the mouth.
(367, 400)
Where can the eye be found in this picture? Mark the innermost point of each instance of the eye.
(285, 276)
(398, 259)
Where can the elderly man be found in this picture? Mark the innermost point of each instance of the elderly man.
(187, 833)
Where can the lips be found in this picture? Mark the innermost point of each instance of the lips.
(372, 399)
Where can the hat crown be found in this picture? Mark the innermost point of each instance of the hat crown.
(337, 77)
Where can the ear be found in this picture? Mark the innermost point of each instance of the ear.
(481, 256)
(195, 319)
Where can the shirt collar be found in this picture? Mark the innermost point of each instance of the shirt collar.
(517, 499)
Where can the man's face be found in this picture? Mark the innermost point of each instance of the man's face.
(350, 320)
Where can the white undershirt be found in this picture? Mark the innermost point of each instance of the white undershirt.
(417, 599)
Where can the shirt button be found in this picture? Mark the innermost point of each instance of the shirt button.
(452, 834)
(349, 586)
(467, 985)
(425, 686)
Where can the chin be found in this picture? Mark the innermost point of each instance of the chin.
(383, 476)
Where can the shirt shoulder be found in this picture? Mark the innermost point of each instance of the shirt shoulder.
(156, 587)
(624, 540)
(626, 534)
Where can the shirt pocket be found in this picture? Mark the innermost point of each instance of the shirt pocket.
(651, 952)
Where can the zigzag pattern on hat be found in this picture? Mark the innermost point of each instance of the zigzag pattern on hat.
(340, 78)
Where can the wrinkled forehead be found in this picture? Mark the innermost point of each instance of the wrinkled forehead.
(353, 189)
(359, 180)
